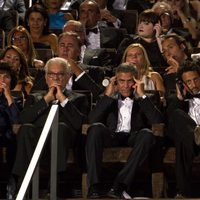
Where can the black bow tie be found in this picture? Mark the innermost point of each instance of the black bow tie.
(123, 98)
(93, 30)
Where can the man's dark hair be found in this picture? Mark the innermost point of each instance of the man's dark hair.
(179, 40)
(126, 68)
(188, 66)
(149, 16)
(6, 68)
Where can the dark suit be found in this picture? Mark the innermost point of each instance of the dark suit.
(9, 115)
(182, 134)
(102, 134)
(110, 37)
(83, 83)
(33, 118)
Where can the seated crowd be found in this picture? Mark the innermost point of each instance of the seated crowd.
(94, 53)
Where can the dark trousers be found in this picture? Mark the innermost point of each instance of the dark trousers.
(181, 130)
(100, 136)
(27, 140)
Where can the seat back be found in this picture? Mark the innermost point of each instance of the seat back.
(2, 39)
(44, 54)
(129, 19)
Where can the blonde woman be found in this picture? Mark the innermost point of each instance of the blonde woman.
(136, 54)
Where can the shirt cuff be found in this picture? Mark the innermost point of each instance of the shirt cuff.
(64, 102)
(80, 75)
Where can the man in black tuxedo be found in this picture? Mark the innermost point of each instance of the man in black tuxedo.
(185, 133)
(91, 57)
(122, 117)
(36, 110)
(98, 35)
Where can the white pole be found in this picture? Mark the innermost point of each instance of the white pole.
(37, 153)
(30, 3)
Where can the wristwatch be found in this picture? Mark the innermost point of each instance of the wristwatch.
(143, 96)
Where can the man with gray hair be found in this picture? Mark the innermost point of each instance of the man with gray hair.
(36, 110)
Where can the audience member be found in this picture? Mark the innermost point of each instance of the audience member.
(118, 4)
(57, 18)
(21, 38)
(106, 15)
(57, 74)
(185, 133)
(122, 117)
(6, 21)
(182, 15)
(149, 31)
(98, 36)
(9, 113)
(69, 47)
(37, 23)
(164, 10)
(95, 57)
(17, 60)
(176, 50)
(77, 27)
(196, 7)
(17, 5)
(137, 55)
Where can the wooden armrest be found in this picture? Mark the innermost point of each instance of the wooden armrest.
(85, 128)
(15, 128)
(158, 129)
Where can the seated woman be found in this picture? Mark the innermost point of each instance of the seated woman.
(21, 38)
(17, 59)
(57, 18)
(136, 54)
(37, 23)
(9, 113)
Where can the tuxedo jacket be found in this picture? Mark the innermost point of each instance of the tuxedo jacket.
(83, 83)
(36, 110)
(144, 113)
(110, 37)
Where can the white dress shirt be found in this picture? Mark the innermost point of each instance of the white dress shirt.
(124, 115)
(120, 4)
(93, 40)
(194, 110)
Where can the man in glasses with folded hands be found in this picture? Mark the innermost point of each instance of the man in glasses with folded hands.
(34, 115)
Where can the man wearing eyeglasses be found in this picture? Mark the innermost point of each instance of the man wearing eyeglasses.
(69, 48)
(34, 115)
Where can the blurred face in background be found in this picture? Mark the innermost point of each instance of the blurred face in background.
(176, 4)
(20, 40)
(5, 79)
(54, 4)
(89, 14)
(13, 58)
(36, 22)
(77, 28)
(68, 47)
